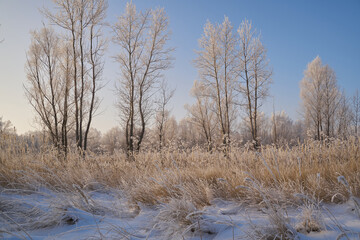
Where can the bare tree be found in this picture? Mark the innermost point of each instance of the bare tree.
(97, 13)
(162, 113)
(331, 97)
(311, 93)
(5, 126)
(255, 75)
(284, 128)
(144, 56)
(82, 21)
(170, 130)
(344, 117)
(94, 141)
(355, 104)
(112, 140)
(67, 106)
(320, 97)
(187, 134)
(274, 123)
(8, 130)
(47, 88)
(216, 64)
(201, 114)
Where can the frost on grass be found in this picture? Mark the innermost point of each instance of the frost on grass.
(23, 211)
(310, 219)
(279, 227)
(123, 197)
(356, 201)
(21, 215)
(176, 218)
(179, 219)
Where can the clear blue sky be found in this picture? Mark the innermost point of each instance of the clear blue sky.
(294, 32)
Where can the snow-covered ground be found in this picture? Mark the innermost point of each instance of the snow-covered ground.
(107, 214)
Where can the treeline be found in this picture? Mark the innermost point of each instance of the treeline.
(277, 129)
(64, 74)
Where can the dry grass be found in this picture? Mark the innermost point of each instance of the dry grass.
(183, 181)
(197, 175)
(311, 219)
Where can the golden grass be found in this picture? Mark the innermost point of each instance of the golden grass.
(199, 176)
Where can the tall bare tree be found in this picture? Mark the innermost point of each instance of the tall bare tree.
(47, 87)
(217, 63)
(67, 107)
(142, 37)
(355, 105)
(255, 75)
(331, 98)
(201, 114)
(274, 123)
(344, 117)
(311, 93)
(82, 21)
(162, 113)
(320, 98)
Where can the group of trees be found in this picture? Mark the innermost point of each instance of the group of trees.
(64, 72)
(5, 126)
(234, 77)
(144, 55)
(328, 112)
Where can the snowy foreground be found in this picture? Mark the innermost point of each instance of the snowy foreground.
(107, 214)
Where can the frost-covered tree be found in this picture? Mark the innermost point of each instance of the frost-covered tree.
(5, 126)
(82, 22)
(142, 38)
(320, 97)
(264, 126)
(113, 140)
(255, 76)
(355, 105)
(217, 67)
(48, 85)
(94, 141)
(171, 129)
(162, 114)
(331, 100)
(201, 113)
(284, 127)
(344, 117)
(188, 134)
(311, 94)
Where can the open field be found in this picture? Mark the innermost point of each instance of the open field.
(173, 194)
(174, 120)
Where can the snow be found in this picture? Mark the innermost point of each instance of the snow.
(108, 214)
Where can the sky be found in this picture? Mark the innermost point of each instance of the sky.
(293, 32)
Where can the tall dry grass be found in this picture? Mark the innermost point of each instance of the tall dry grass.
(194, 174)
